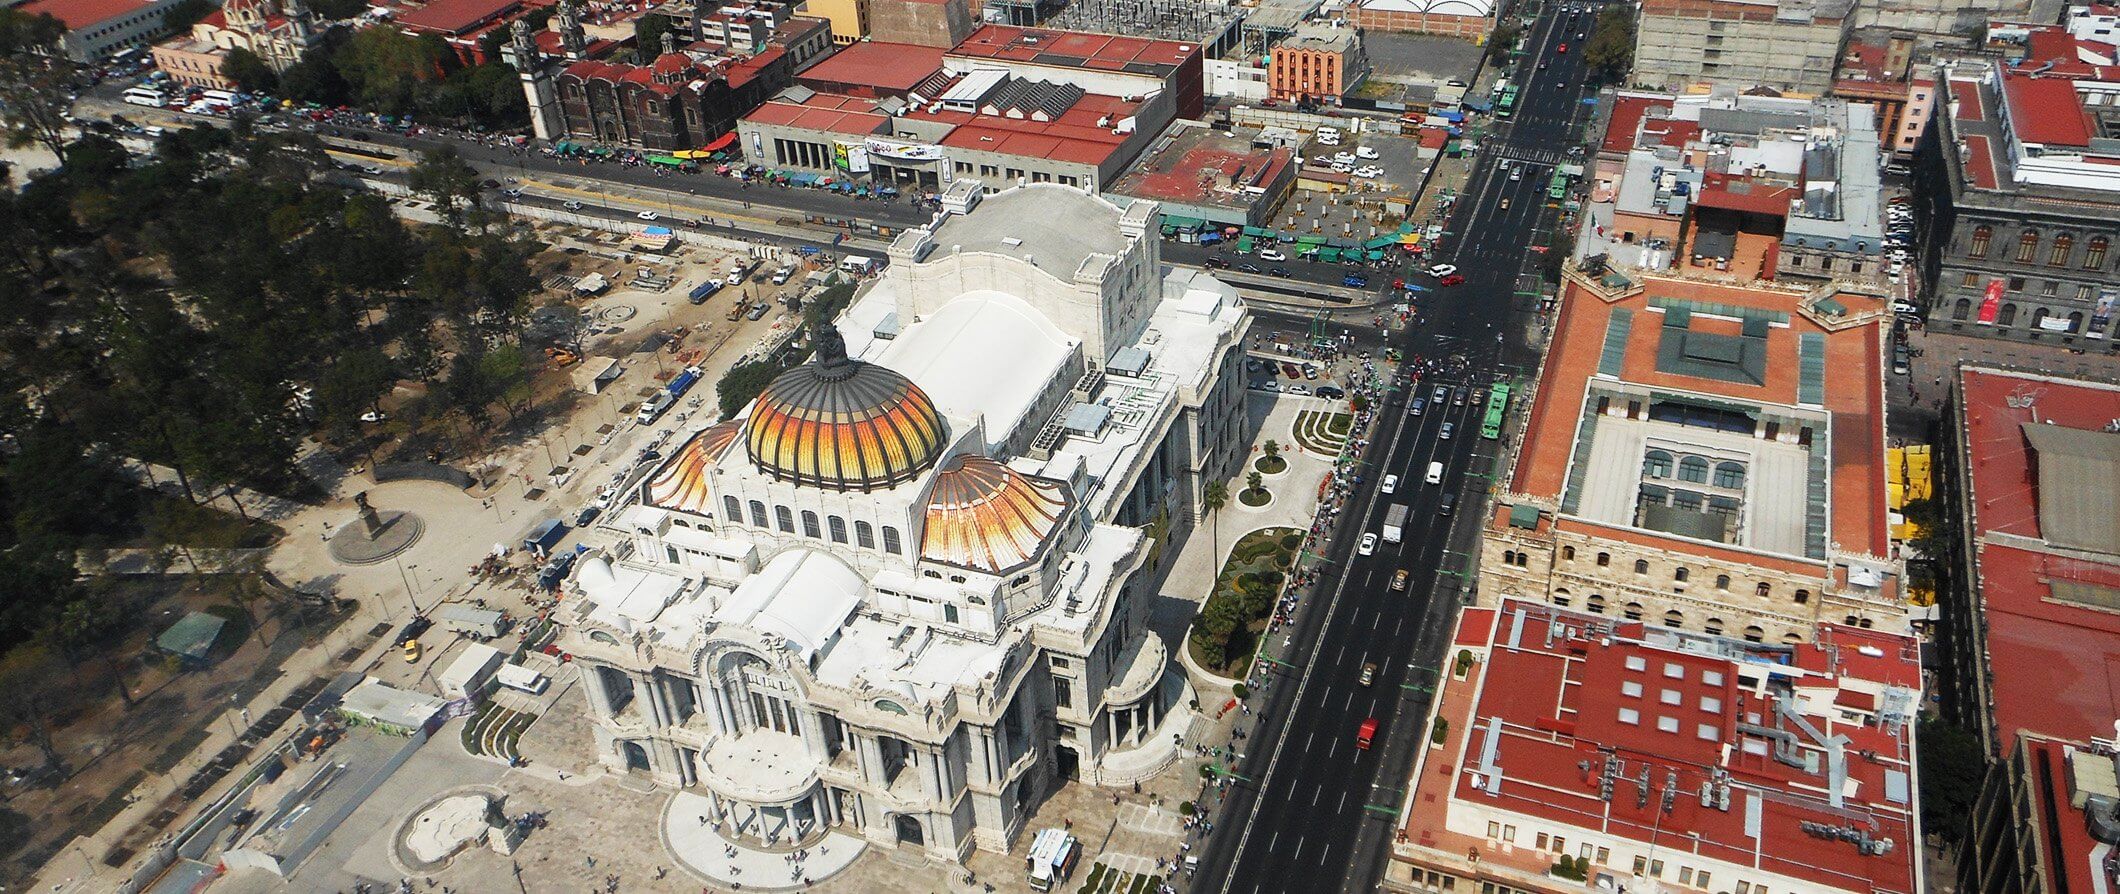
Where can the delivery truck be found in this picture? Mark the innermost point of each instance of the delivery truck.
(1395, 523)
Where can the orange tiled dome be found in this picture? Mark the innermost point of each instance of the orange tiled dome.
(682, 485)
(843, 424)
(984, 516)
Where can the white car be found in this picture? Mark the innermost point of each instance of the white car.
(1365, 152)
(1441, 270)
(1347, 157)
(1328, 132)
(647, 215)
(1369, 171)
(1369, 545)
(1272, 254)
(1391, 483)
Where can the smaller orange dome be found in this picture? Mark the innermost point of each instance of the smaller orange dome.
(682, 485)
(984, 516)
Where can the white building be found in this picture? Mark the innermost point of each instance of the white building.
(898, 594)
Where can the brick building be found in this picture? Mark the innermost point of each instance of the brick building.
(1318, 64)
(1789, 45)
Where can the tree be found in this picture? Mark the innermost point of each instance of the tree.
(36, 80)
(743, 382)
(444, 178)
(32, 680)
(249, 72)
(1610, 52)
(647, 36)
(1254, 482)
(1953, 766)
(183, 14)
(315, 79)
(335, 10)
(1503, 40)
(1271, 447)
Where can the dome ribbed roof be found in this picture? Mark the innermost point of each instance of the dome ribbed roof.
(984, 516)
(682, 485)
(842, 424)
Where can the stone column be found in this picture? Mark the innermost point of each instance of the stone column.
(644, 690)
(599, 697)
(871, 759)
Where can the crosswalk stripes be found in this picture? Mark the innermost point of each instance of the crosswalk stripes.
(1535, 156)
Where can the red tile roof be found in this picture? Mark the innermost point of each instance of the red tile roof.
(1195, 174)
(830, 117)
(1967, 95)
(1559, 692)
(1627, 112)
(455, 16)
(892, 68)
(2055, 667)
(79, 14)
(1739, 193)
(2046, 110)
(1980, 162)
(1103, 52)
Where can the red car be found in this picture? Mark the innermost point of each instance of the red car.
(1398, 283)
(1563, 50)
(1452, 280)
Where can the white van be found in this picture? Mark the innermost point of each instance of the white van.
(1435, 473)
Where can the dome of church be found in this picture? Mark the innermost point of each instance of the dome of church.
(983, 515)
(682, 484)
(842, 424)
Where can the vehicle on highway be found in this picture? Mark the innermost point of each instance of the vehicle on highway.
(571, 205)
(1398, 579)
(1248, 268)
(1448, 429)
(1419, 404)
(1365, 734)
(1368, 545)
(1456, 279)
(1457, 396)
(1272, 254)
(512, 193)
(1281, 272)
(1516, 173)
(1391, 483)
(1355, 281)
(1441, 395)
(1214, 263)
(1369, 672)
(1442, 270)
(1505, 204)
(1435, 472)
(1449, 503)
(1562, 49)
(1395, 523)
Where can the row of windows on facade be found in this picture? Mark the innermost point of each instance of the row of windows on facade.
(816, 155)
(836, 527)
(1695, 469)
(1681, 574)
(2047, 288)
(2006, 315)
(1676, 618)
(1558, 844)
(2058, 252)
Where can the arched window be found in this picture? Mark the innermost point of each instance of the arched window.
(2094, 253)
(1680, 574)
(1722, 582)
(732, 509)
(1604, 559)
(2008, 316)
(838, 528)
(864, 536)
(2057, 256)
(1567, 554)
(1657, 464)
(1791, 639)
(1596, 604)
(2075, 321)
(1508, 557)
(1634, 611)
(1753, 634)
(1641, 566)
(1674, 618)
(2038, 317)
(1523, 560)
(890, 540)
(809, 524)
(1865, 624)
(758, 513)
(1730, 475)
(1694, 469)
(1850, 621)
(2027, 246)
(1962, 309)
(1764, 590)
(785, 518)
(1714, 627)
(1803, 597)
(1982, 235)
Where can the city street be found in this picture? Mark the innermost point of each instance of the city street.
(1308, 805)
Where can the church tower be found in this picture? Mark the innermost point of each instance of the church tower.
(536, 76)
(571, 38)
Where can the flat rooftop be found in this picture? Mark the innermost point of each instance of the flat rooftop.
(1748, 754)
(893, 68)
(1076, 49)
(1204, 166)
(2053, 638)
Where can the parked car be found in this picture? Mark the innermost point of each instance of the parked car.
(1272, 254)
(1355, 281)
(1365, 152)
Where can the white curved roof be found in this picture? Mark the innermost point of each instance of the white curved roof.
(1434, 7)
(804, 596)
(984, 354)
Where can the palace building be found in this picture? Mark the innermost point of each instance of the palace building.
(901, 594)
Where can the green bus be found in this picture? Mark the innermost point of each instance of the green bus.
(1557, 189)
(1497, 407)
(1505, 107)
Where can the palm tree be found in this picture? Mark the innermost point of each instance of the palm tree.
(1213, 497)
(1254, 482)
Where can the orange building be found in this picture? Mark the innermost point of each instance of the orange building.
(1316, 65)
